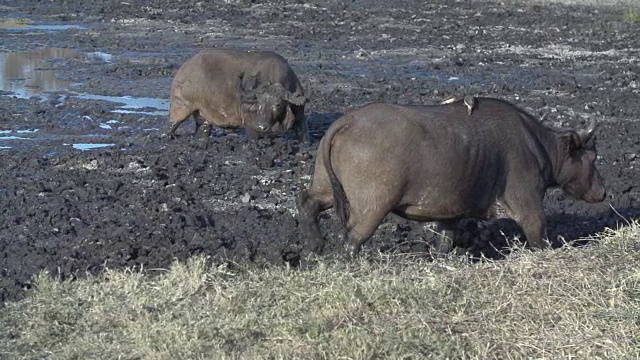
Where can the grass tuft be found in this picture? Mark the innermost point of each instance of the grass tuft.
(581, 303)
(632, 15)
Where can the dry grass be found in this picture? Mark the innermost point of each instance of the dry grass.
(595, 3)
(579, 303)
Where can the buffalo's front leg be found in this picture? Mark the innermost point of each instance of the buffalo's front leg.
(253, 152)
(251, 134)
(205, 132)
(445, 237)
(301, 126)
(529, 214)
(534, 227)
(171, 132)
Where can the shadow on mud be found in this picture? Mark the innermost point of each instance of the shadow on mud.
(573, 229)
(496, 239)
(320, 122)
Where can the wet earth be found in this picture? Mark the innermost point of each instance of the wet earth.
(86, 181)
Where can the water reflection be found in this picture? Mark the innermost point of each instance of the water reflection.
(28, 73)
(89, 146)
(132, 104)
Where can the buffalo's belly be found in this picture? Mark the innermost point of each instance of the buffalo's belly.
(420, 213)
(444, 206)
(221, 118)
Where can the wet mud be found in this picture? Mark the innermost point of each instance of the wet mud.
(86, 181)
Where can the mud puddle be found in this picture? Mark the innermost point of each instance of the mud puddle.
(33, 75)
(30, 73)
(89, 146)
(10, 139)
(130, 104)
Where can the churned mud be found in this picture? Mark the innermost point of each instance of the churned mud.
(86, 182)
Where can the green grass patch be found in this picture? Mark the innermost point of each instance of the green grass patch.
(632, 15)
(14, 22)
(579, 303)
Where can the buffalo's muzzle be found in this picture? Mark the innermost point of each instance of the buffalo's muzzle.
(262, 127)
(596, 195)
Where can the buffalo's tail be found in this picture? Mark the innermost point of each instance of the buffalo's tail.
(340, 202)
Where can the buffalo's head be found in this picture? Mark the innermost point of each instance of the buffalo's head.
(578, 174)
(265, 106)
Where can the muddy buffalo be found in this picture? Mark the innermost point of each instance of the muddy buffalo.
(229, 88)
(442, 163)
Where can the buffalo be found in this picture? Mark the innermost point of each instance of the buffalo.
(232, 88)
(441, 163)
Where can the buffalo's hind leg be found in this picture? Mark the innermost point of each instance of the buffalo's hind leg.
(203, 130)
(310, 203)
(363, 221)
(178, 113)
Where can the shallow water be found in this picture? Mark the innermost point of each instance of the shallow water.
(29, 73)
(15, 135)
(132, 104)
(88, 146)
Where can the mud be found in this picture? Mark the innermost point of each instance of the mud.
(138, 200)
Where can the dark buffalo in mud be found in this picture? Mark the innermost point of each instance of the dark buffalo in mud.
(229, 88)
(443, 163)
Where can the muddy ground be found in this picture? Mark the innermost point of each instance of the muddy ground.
(143, 201)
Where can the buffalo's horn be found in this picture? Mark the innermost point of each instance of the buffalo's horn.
(296, 99)
(544, 117)
(586, 135)
(469, 102)
(292, 98)
(592, 127)
(449, 100)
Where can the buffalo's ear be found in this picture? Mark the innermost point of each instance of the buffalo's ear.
(297, 99)
(587, 135)
(570, 141)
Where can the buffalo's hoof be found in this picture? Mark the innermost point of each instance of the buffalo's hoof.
(443, 247)
(203, 144)
(541, 245)
(353, 251)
